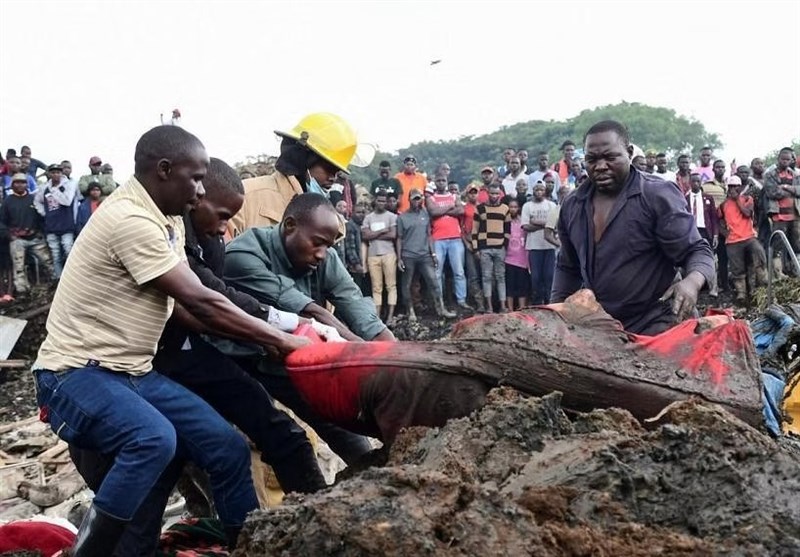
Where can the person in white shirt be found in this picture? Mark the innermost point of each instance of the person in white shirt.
(661, 168)
(514, 174)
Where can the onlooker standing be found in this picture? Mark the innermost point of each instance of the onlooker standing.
(409, 179)
(562, 167)
(650, 161)
(471, 260)
(54, 201)
(24, 226)
(514, 173)
(107, 184)
(704, 211)
(415, 254)
(352, 249)
(704, 167)
(488, 177)
(542, 168)
(504, 169)
(445, 211)
(108, 170)
(541, 253)
(380, 230)
(386, 182)
(782, 190)
(88, 206)
(736, 214)
(35, 164)
(716, 188)
(661, 168)
(14, 165)
(683, 176)
(490, 232)
(518, 278)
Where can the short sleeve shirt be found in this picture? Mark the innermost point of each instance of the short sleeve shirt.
(106, 312)
(379, 222)
(414, 229)
(539, 212)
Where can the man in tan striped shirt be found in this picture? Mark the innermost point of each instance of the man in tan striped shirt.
(94, 373)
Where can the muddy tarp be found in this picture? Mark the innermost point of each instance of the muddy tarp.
(574, 347)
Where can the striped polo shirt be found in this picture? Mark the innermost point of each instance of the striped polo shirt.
(105, 313)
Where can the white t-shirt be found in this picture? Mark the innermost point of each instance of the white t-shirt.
(539, 212)
(510, 183)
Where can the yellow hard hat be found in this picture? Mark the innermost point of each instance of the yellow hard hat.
(328, 136)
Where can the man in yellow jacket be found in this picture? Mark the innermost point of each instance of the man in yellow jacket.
(318, 147)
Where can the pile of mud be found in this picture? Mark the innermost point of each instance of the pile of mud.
(519, 477)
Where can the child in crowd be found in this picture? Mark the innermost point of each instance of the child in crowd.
(518, 278)
(88, 206)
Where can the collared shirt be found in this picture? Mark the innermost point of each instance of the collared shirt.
(696, 208)
(256, 262)
(414, 229)
(649, 234)
(105, 311)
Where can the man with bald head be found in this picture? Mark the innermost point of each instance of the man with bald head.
(94, 374)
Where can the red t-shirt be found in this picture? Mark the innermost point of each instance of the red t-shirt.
(445, 227)
(466, 220)
(740, 227)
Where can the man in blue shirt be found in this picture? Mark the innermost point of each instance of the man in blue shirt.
(624, 234)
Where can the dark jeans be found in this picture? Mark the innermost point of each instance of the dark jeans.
(543, 267)
(241, 400)
(348, 445)
(423, 266)
(143, 421)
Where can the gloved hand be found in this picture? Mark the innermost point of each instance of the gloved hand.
(326, 332)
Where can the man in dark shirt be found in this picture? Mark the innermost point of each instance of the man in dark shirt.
(24, 224)
(391, 185)
(415, 254)
(35, 164)
(623, 235)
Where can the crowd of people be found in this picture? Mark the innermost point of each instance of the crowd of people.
(193, 339)
(498, 235)
(42, 210)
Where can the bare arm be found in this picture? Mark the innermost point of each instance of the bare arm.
(434, 210)
(550, 237)
(216, 314)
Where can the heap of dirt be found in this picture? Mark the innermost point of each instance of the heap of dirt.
(519, 477)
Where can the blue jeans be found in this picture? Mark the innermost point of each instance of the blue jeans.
(145, 420)
(60, 245)
(453, 251)
(543, 266)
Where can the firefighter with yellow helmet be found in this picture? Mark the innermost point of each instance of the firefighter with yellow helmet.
(312, 153)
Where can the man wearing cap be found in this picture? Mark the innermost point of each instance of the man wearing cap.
(15, 167)
(54, 201)
(24, 224)
(744, 250)
(415, 254)
(107, 185)
(409, 179)
(312, 153)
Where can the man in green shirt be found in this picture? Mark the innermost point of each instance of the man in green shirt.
(106, 181)
(294, 267)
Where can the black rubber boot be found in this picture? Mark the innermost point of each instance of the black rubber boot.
(300, 471)
(98, 534)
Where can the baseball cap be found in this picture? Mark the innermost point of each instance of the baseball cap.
(415, 194)
(539, 184)
(487, 169)
(54, 166)
(19, 177)
(410, 158)
(733, 181)
(472, 187)
(95, 160)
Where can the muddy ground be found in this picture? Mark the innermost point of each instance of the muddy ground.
(520, 477)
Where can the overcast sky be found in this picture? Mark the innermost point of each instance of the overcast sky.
(88, 78)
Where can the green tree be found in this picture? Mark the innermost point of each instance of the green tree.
(658, 128)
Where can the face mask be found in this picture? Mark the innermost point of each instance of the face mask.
(314, 187)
